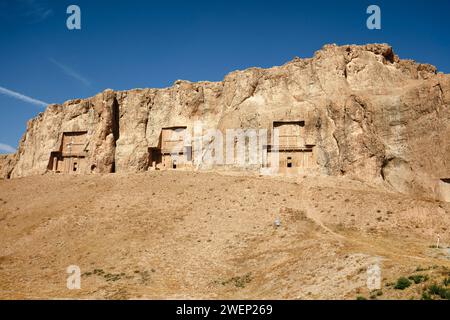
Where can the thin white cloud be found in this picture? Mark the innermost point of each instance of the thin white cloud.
(22, 97)
(71, 73)
(7, 148)
(36, 11)
(44, 15)
(28, 11)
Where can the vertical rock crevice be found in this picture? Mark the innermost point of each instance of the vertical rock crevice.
(115, 115)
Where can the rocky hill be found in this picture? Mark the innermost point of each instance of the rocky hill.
(371, 116)
(209, 235)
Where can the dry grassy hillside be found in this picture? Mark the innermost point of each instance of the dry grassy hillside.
(208, 235)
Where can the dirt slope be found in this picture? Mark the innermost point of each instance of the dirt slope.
(208, 235)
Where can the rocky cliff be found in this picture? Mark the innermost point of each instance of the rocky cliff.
(370, 114)
(7, 163)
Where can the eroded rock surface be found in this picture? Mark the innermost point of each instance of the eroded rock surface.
(370, 114)
(7, 163)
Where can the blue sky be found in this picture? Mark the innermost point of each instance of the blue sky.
(139, 44)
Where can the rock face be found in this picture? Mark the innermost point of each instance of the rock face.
(7, 163)
(369, 114)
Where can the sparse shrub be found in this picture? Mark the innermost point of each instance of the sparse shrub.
(440, 291)
(145, 276)
(402, 283)
(446, 294)
(420, 268)
(360, 298)
(239, 282)
(446, 282)
(426, 296)
(434, 289)
(112, 277)
(419, 278)
(99, 271)
(376, 293)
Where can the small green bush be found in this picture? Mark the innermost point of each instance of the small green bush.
(419, 278)
(419, 268)
(440, 291)
(434, 289)
(446, 282)
(426, 296)
(402, 283)
(360, 298)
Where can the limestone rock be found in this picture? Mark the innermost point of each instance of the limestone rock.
(370, 114)
(7, 163)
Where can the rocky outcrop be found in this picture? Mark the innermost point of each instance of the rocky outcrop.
(43, 134)
(370, 114)
(7, 163)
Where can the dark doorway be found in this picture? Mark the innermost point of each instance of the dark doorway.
(154, 156)
(289, 162)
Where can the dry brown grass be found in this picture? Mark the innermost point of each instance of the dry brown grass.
(208, 235)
